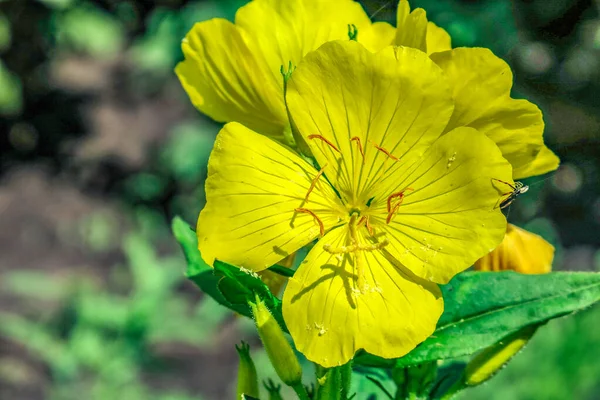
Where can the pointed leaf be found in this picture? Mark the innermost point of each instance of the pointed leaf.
(481, 308)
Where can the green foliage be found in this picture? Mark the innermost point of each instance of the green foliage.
(370, 383)
(88, 29)
(481, 308)
(227, 284)
(11, 97)
(109, 336)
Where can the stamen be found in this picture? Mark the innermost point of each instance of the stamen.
(387, 153)
(360, 148)
(399, 194)
(365, 220)
(314, 182)
(325, 140)
(307, 211)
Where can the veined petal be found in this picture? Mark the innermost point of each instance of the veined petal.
(520, 251)
(412, 27)
(360, 112)
(481, 84)
(284, 31)
(253, 187)
(437, 39)
(449, 217)
(329, 318)
(545, 161)
(228, 82)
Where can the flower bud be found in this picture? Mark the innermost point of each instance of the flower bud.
(247, 378)
(485, 364)
(520, 251)
(278, 349)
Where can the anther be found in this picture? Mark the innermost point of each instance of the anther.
(324, 140)
(399, 194)
(314, 182)
(307, 211)
(360, 148)
(365, 220)
(384, 151)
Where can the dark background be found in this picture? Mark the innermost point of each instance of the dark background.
(100, 148)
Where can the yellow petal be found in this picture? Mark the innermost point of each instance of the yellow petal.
(330, 319)
(482, 83)
(227, 82)
(437, 39)
(520, 251)
(545, 161)
(451, 217)
(411, 28)
(380, 35)
(284, 31)
(253, 187)
(396, 99)
(232, 72)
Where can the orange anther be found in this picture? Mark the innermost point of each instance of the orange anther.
(365, 220)
(360, 148)
(325, 140)
(387, 153)
(314, 182)
(392, 211)
(307, 211)
(399, 194)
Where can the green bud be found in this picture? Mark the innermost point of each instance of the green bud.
(247, 378)
(276, 345)
(489, 361)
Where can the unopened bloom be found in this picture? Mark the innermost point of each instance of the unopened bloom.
(247, 378)
(396, 206)
(278, 349)
(520, 251)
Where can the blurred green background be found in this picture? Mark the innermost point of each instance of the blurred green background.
(101, 148)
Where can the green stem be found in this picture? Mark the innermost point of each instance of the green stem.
(300, 391)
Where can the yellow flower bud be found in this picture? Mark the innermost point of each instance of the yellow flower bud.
(278, 349)
(520, 251)
(247, 378)
(489, 361)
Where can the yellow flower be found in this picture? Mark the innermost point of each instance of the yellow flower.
(397, 207)
(481, 84)
(520, 251)
(232, 71)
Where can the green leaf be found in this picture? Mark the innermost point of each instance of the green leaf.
(239, 286)
(481, 308)
(447, 376)
(189, 244)
(372, 383)
(227, 284)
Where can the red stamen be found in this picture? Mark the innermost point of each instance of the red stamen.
(387, 153)
(314, 182)
(307, 211)
(365, 220)
(399, 194)
(360, 148)
(325, 140)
